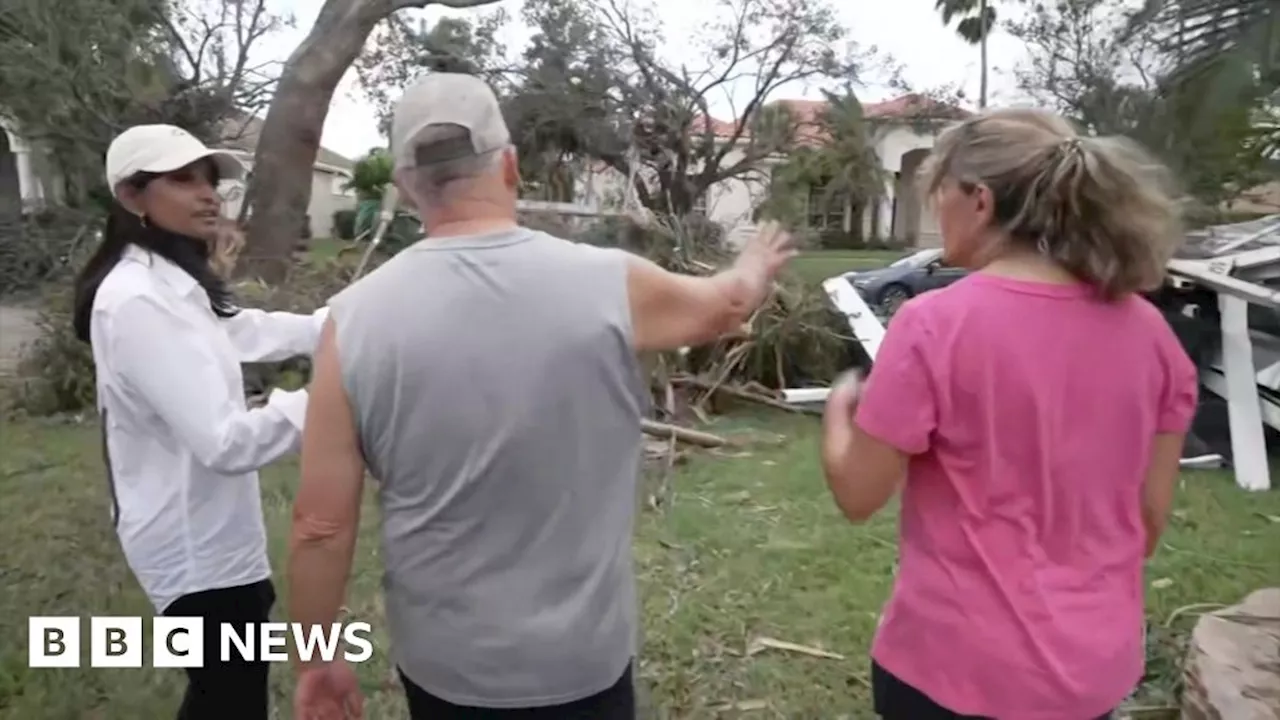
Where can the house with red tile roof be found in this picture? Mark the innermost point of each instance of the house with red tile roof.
(902, 135)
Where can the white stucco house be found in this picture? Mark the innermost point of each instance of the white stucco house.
(329, 174)
(28, 181)
(901, 141)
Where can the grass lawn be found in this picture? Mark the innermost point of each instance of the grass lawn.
(814, 266)
(747, 546)
(324, 248)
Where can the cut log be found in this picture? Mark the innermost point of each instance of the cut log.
(1232, 670)
(685, 435)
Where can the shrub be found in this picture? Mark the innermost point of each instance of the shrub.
(311, 283)
(839, 239)
(42, 247)
(344, 224)
(56, 372)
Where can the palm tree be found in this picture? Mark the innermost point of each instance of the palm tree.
(976, 18)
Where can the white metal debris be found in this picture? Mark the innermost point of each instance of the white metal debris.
(1236, 267)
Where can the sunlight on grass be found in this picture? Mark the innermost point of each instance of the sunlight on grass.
(746, 546)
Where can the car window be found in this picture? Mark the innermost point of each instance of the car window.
(916, 259)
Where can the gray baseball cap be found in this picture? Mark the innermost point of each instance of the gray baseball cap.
(446, 100)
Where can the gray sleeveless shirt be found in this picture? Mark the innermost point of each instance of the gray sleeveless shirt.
(498, 400)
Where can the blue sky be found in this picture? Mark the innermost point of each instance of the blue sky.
(909, 30)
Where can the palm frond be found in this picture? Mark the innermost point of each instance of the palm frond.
(971, 25)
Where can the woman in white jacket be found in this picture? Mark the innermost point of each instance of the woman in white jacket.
(182, 447)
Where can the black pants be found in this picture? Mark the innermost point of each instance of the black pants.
(896, 700)
(616, 703)
(235, 690)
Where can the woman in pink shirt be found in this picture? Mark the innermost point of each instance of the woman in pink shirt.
(1033, 415)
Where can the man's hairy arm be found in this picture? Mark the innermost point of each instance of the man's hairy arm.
(326, 510)
(671, 311)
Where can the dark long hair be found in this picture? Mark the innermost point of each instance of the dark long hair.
(124, 229)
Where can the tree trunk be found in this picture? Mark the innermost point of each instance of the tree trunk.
(982, 86)
(290, 138)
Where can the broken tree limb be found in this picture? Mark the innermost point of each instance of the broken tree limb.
(741, 394)
(692, 437)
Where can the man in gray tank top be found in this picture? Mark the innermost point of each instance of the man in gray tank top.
(487, 378)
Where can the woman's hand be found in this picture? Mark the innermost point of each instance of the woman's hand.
(226, 249)
(842, 403)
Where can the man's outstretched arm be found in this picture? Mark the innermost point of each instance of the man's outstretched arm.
(326, 510)
(671, 311)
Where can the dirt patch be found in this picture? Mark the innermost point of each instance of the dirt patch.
(17, 329)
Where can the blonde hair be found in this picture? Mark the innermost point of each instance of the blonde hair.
(1101, 207)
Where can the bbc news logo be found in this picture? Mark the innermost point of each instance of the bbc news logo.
(179, 642)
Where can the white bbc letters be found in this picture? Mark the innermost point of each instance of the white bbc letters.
(274, 635)
(179, 642)
(115, 642)
(240, 637)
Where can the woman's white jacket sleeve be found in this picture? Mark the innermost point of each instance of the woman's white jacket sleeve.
(173, 368)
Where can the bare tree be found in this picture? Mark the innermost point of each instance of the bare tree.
(401, 50)
(1086, 60)
(290, 136)
(596, 85)
(759, 46)
(77, 72)
(212, 41)
(1080, 62)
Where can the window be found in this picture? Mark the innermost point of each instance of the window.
(824, 210)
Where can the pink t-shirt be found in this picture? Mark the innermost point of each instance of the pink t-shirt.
(1029, 410)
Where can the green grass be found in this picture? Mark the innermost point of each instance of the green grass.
(814, 266)
(744, 546)
(323, 249)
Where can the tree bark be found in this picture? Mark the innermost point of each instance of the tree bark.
(290, 138)
(982, 90)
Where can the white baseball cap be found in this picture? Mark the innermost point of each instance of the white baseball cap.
(162, 149)
(443, 99)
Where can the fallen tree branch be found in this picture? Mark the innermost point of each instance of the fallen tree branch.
(746, 395)
(693, 437)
